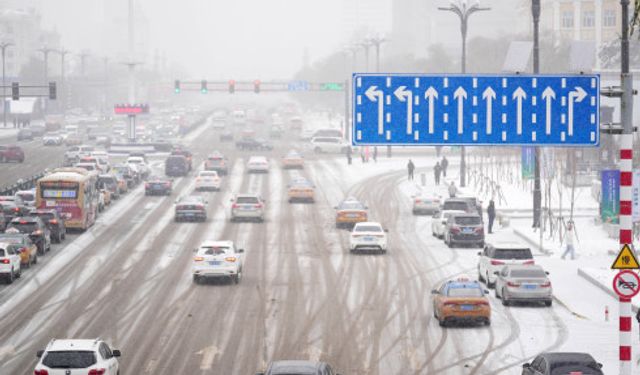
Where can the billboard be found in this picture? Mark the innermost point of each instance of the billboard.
(610, 196)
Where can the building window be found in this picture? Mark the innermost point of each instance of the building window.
(567, 20)
(588, 19)
(609, 18)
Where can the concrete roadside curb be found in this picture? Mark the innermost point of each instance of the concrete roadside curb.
(601, 286)
(525, 238)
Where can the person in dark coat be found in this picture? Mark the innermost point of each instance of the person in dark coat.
(444, 164)
(491, 213)
(410, 168)
(375, 154)
(436, 172)
(349, 155)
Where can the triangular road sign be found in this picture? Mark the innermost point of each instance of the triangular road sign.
(626, 260)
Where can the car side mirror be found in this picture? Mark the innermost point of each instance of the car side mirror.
(335, 207)
(479, 253)
(434, 291)
(486, 291)
(116, 353)
(386, 230)
(39, 353)
(526, 365)
(195, 250)
(496, 273)
(599, 365)
(240, 251)
(547, 272)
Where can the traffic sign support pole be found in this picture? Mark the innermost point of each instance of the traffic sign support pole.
(537, 190)
(626, 180)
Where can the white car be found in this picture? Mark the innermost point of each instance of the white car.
(423, 204)
(28, 197)
(218, 259)
(495, 256)
(208, 180)
(101, 155)
(329, 145)
(439, 222)
(70, 356)
(91, 167)
(258, 164)
(9, 263)
(140, 164)
(52, 139)
(247, 207)
(368, 236)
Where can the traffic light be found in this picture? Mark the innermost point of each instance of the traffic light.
(203, 86)
(15, 91)
(176, 86)
(232, 86)
(256, 86)
(52, 91)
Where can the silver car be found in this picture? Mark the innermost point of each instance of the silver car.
(247, 207)
(523, 284)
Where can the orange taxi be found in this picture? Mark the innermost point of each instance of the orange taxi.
(301, 190)
(461, 301)
(23, 244)
(293, 160)
(349, 212)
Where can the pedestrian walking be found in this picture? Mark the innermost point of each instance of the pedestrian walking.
(375, 154)
(444, 165)
(491, 213)
(452, 190)
(410, 168)
(569, 239)
(436, 172)
(362, 156)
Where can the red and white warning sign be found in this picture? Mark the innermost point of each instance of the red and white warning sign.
(626, 284)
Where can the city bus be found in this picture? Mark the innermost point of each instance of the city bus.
(73, 193)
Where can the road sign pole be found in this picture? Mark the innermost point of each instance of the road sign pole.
(537, 190)
(346, 129)
(626, 181)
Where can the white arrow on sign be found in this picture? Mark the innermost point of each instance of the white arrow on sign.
(519, 95)
(460, 94)
(431, 95)
(489, 95)
(405, 96)
(548, 95)
(376, 95)
(574, 96)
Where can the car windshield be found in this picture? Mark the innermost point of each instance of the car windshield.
(208, 174)
(46, 216)
(534, 273)
(513, 254)
(458, 206)
(2, 253)
(11, 238)
(28, 197)
(215, 250)
(467, 220)
(27, 227)
(367, 228)
(245, 200)
(69, 359)
(464, 290)
(351, 206)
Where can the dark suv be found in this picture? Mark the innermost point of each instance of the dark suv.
(191, 208)
(158, 186)
(54, 222)
(35, 228)
(176, 165)
(459, 204)
(464, 229)
(11, 153)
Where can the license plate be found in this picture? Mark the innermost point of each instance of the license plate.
(369, 238)
(189, 214)
(215, 262)
(247, 208)
(352, 215)
(466, 307)
(529, 286)
(467, 230)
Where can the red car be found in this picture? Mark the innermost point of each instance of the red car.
(11, 153)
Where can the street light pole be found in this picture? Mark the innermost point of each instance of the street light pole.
(45, 51)
(537, 190)
(463, 11)
(4, 46)
(63, 52)
(376, 42)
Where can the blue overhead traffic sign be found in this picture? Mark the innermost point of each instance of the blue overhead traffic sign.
(298, 86)
(400, 109)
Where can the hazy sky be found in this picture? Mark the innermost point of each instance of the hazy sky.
(213, 38)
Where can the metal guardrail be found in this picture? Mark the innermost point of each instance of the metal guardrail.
(22, 184)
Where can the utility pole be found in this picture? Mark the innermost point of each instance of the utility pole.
(376, 42)
(626, 181)
(537, 191)
(463, 11)
(105, 60)
(63, 52)
(366, 45)
(83, 62)
(4, 46)
(46, 51)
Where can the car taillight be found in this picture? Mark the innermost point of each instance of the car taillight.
(512, 284)
(97, 371)
(198, 259)
(40, 372)
(418, 201)
(146, 185)
(230, 259)
(198, 179)
(4, 261)
(450, 303)
(496, 263)
(454, 229)
(24, 250)
(356, 235)
(53, 221)
(17, 209)
(546, 285)
(168, 184)
(479, 230)
(529, 262)
(378, 235)
(235, 205)
(482, 303)
(259, 205)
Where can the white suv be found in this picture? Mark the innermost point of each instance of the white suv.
(64, 357)
(247, 207)
(9, 262)
(494, 257)
(329, 145)
(218, 259)
(368, 236)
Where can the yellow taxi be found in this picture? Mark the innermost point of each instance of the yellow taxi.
(293, 160)
(23, 245)
(350, 212)
(301, 190)
(461, 301)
